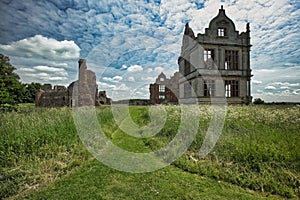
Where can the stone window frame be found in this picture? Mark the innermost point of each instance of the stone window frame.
(231, 88)
(208, 53)
(161, 88)
(209, 87)
(222, 32)
(231, 61)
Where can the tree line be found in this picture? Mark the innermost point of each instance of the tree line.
(12, 90)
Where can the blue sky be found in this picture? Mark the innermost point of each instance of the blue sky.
(128, 43)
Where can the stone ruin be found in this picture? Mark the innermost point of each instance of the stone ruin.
(165, 90)
(83, 92)
(103, 99)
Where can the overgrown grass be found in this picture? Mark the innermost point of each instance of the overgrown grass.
(37, 147)
(257, 150)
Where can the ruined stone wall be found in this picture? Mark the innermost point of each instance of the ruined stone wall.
(169, 95)
(52, 97)
(83, 92)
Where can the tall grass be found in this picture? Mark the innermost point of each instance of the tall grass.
(37, 146)
(258, 148)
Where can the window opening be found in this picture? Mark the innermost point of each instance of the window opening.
(208, 53)
(161, 96)
(231, 60)
(209, 88)
(231, 88)
(221, 32)
(162, 88)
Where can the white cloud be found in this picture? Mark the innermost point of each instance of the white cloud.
(284, 87)
(43, 74)
(114, 79)
(282, 97)
(44, 60)
(286, 84)
(297, 92)
(121, 87)
(43, 47)
(135, 68)
(270, 87)
(131, 78)
(256, 81)
(103, 86)
(56, 71)
(159, 69)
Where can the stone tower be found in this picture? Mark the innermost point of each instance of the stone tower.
(87, 87)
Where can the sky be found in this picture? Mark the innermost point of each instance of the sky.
(129, 43)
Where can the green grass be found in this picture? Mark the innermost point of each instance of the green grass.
(37, 147)
(96, 181)
(256, 156)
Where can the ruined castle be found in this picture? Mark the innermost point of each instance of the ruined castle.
(83, 92)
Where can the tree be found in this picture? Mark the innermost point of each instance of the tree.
(11, 88)
(31, 89)
(258, 101)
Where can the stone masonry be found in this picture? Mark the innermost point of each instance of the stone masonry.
(215, 65)
(165, 90)
(83, 92)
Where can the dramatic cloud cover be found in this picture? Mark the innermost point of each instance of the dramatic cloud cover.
(128, 43)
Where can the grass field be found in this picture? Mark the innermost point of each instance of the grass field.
(257, 156)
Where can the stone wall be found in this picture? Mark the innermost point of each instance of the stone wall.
(83, 92)
(165, 90)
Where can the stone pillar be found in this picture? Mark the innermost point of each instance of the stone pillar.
(85, 95)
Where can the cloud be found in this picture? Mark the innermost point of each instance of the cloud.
(131, 78)
(51, 70)
(124, 67)
(113, 79)
(286, 84)
(43, 74)
(296, 92)
(158, 69)
(105, 86)
(40, 46)
(135, 68)
(282, 96)
(121, 87)
(270, 87)
(44, 60)
(256, 81)
(284, 87)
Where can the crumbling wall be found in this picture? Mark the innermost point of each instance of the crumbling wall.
(169, 95)
(52, 97)
(83, 92)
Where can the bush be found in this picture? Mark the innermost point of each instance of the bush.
(258, 101)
